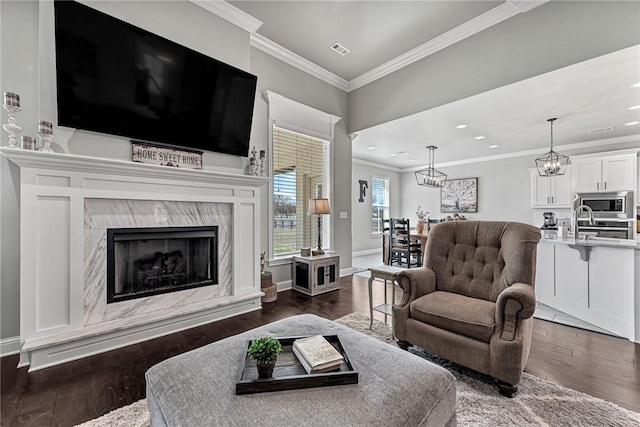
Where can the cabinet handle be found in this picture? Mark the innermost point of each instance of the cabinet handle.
(551, 199)
(597, 186)
(547, 199)
(605, 185)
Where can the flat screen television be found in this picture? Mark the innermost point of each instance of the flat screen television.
(118, 79)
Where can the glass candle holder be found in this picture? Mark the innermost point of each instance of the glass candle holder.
(11, 103)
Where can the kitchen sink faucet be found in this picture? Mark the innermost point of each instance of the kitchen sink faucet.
(576, 215)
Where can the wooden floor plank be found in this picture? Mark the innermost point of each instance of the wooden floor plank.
(78, 391)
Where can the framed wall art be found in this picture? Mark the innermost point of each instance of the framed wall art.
(459, 195)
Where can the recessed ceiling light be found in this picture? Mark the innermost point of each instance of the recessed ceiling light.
(493, 146)
(461, 126)
(394, 154)
(371, 148)
(631, 123)
(480, 137)
(633, 86)
(635, 107)
(412, 160)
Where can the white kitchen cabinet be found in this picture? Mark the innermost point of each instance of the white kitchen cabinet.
(545, 273)
(599, 291)
(550, 191)
(609, 173)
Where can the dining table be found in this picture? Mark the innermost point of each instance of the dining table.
(413, 235)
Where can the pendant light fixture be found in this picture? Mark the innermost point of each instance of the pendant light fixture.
(431, 177)
(552, 163)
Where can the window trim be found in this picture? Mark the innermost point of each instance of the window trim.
(388, 206)
(297, 117)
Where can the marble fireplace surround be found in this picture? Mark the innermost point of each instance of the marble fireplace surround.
(102, 214)
(66, 204)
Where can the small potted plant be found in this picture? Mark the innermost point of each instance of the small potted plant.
(265, 351)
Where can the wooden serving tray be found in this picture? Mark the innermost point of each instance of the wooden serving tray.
(289, 374)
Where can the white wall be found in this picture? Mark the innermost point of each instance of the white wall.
(503, 188)
(361, 211)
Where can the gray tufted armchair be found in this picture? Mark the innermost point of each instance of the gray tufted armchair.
(473, 300)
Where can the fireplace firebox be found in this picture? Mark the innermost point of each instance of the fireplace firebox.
(149, 261)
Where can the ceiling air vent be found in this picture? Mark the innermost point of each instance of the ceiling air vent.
(602, 129)
(340, 49)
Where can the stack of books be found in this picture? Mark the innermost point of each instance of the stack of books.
(317, 355)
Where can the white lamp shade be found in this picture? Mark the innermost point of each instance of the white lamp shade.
(319, 207)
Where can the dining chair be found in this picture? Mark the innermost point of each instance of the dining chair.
(403, 249)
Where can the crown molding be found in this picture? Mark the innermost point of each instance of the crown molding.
(247, 22)
(482, 22)
(272, 48)
(376, 165)
(526, 5)
(565, 147)
(230, 13)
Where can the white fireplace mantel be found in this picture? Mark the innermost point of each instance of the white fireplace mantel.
(57, 316)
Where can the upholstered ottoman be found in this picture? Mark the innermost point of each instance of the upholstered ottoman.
(395, 388)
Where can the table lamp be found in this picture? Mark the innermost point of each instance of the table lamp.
(319, 207)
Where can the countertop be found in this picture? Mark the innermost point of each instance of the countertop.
(598, 242)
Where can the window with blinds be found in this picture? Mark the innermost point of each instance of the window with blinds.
(379, 203)
(301, 171)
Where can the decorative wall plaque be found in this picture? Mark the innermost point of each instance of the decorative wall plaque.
(143, 152)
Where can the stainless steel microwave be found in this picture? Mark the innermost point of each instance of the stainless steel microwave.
(607, 205)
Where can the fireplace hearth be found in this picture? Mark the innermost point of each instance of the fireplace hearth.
(154, 260)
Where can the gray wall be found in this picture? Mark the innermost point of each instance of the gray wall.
(191, 26)
(551, 36)
(18, 73)
(276, 76)
(361, 212)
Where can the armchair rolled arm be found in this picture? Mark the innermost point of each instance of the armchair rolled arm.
(514, 304)
(415, 283)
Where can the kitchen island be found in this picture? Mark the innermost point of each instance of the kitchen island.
(595, 280)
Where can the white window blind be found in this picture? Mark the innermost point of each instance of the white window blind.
(379, 203)
(301, 171)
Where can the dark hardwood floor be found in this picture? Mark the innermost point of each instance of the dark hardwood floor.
(75, 392)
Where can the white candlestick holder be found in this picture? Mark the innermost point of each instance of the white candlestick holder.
(12, 128)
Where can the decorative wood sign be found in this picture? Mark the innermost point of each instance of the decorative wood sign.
(165, 156)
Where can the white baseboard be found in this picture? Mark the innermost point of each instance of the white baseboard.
(285, 285)
(367, 252)
(346, 271)
(9, 346)
(56, 353)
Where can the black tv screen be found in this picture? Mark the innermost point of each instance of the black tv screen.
(115, 78)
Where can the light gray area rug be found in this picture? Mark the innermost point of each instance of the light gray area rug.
(538, 402)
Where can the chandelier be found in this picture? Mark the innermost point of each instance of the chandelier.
(430, 177)
(552, 163)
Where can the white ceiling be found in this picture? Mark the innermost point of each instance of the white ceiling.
(587, 96)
